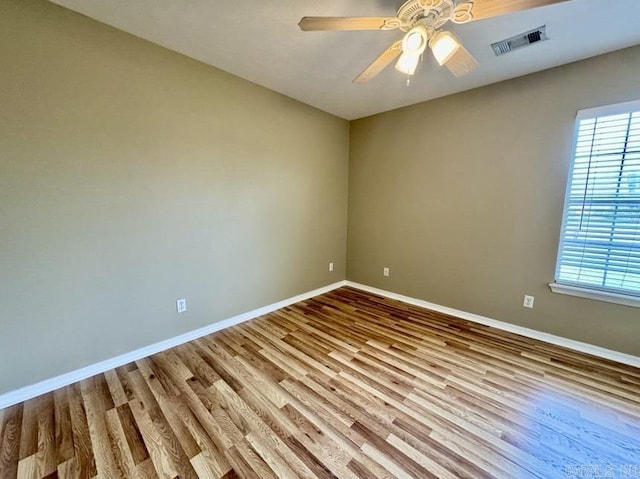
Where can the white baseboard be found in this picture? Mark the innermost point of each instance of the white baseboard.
(48, 385)
(13, 397)
(512, 328)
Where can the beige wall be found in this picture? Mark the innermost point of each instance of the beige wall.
(131, 176)
(462, 198)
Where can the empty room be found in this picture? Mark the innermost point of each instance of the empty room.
(374, 239)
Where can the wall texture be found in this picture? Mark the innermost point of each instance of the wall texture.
(462, 198)
(131, 176)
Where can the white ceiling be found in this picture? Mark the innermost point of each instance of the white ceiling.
(259, 40)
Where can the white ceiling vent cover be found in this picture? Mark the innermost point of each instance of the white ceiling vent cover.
(523, 40)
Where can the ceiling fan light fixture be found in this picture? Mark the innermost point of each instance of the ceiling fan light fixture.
(407, 63)
(444, 45)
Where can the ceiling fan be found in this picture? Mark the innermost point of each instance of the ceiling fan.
(421, 22)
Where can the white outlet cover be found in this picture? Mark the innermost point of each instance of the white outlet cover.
(385, 271)
(330, 266)
(528, 301)
(181, 305)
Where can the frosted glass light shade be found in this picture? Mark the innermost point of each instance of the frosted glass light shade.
(415, 40)
(444, 45)
(407, 63)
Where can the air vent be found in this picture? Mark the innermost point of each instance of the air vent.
(523, 40)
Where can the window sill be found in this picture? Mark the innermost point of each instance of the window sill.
(623, 299)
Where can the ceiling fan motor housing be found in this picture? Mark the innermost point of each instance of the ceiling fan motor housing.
(430, 13)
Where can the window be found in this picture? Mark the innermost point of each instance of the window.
(599, 253)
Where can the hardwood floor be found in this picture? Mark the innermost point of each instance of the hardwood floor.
(347, 385)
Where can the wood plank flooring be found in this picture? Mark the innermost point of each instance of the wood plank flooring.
(346, 385)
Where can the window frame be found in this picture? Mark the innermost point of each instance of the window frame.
(572, 289)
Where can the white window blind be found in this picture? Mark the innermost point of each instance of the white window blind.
(600, 237)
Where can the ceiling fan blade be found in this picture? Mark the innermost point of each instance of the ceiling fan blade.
(479, 9)
(380, 63)
(310, 24)
(461, 62)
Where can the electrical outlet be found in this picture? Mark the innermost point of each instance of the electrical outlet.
(330, 266)
(528, 301)
(385, 271)
(181, 305)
